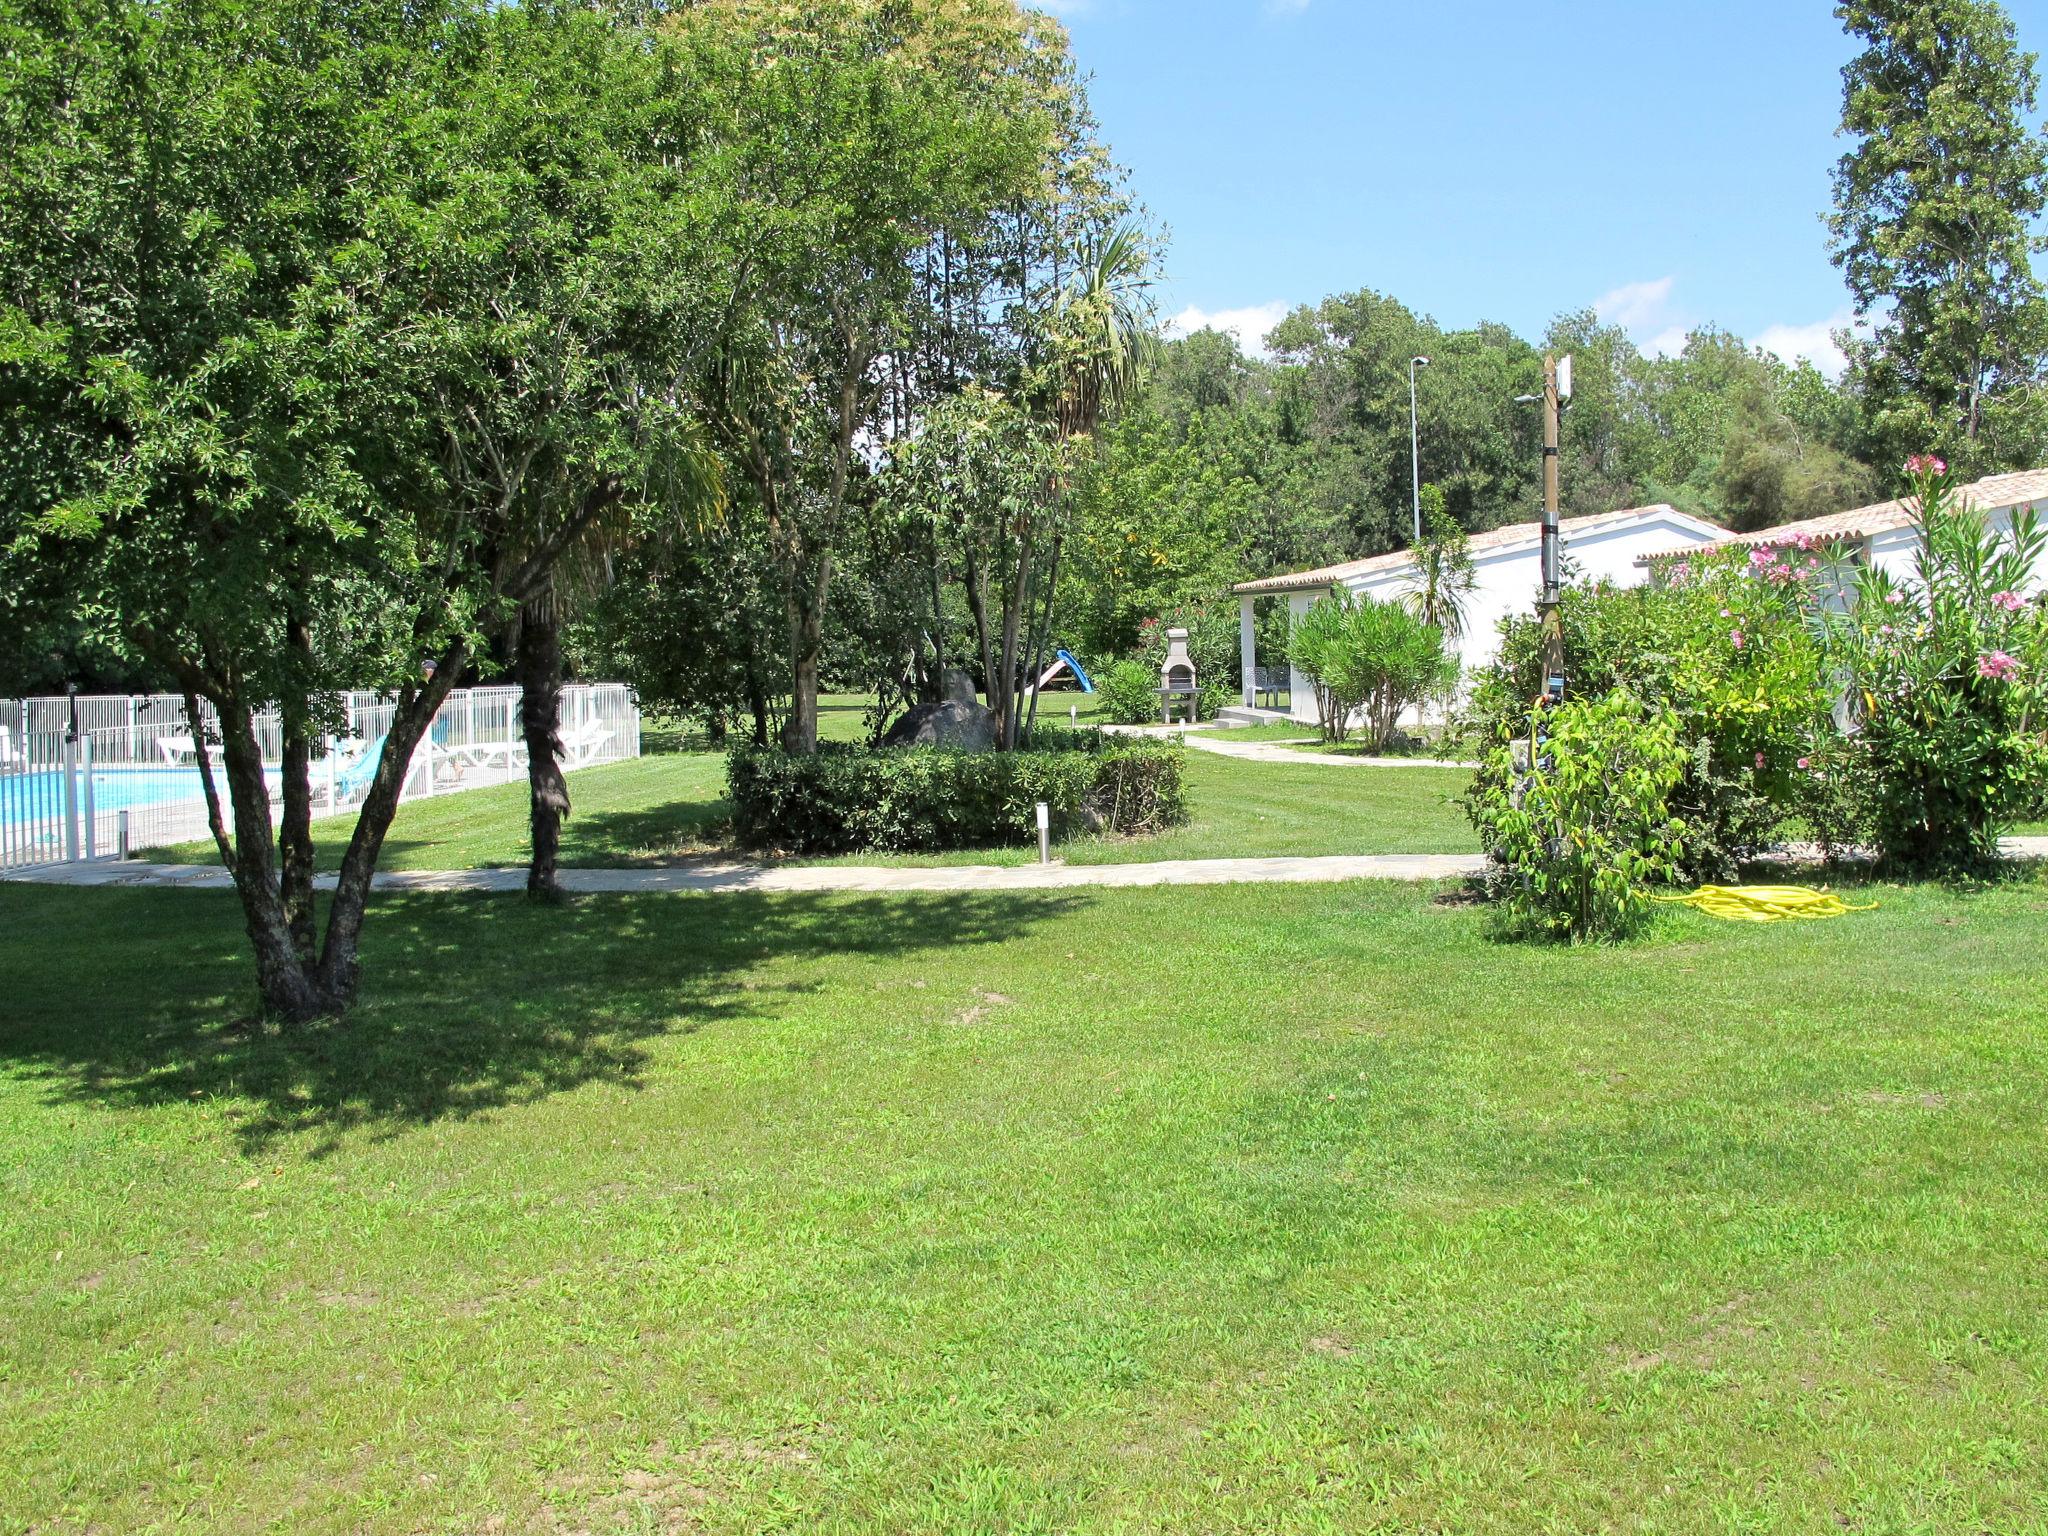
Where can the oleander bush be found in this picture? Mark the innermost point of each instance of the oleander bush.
(1130, 693)
(1944, 687)
(856, 799)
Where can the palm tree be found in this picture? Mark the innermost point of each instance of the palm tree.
(1444, 580)
(685, 492)
(1097, 341)
(1444, 577)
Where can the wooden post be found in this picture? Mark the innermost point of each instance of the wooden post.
(1548, 611)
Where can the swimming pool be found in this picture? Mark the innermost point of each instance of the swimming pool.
(39, 796)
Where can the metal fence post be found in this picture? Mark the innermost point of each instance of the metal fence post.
(70, 800)
(92, 821)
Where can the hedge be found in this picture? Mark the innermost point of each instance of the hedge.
(854, 799)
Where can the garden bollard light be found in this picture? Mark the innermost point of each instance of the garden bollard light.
(1044, 833)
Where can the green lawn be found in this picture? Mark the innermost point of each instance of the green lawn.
(1245, 1209)
(659, 808)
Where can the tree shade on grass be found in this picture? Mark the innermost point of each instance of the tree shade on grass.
(967, 1213)
(662, 808)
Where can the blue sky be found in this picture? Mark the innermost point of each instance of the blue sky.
(1666, 160)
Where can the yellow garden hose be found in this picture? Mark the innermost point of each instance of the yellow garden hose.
(1765, 903)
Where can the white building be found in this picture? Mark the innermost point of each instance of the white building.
(1507, 576)
(1886, 536)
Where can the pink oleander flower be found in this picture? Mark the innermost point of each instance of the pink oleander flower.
(1896, 598)
(1805, 763)
(1727, 613)
(2011, 602)
(1884, 629)
(1925, 464)
(1999, 666)
(1759, 759)
(1735, 638)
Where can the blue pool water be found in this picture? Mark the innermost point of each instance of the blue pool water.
(39, 796)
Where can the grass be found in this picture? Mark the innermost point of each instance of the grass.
(661, 808)
(1251, 1209)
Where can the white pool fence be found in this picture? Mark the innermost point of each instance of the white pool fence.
(129, 779)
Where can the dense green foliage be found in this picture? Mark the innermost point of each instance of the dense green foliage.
(1130, 692)
(1368, 657)
(849, 799)
(1729, 652)
(1947, 676)
(1581, 830)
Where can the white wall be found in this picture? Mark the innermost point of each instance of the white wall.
(1509, 580)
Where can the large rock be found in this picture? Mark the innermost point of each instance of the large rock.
(965, 727)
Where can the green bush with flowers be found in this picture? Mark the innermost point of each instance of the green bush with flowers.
(1942, 678)
(1724, 644)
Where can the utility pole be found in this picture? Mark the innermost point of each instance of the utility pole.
(1415, 444)
(1556, 390)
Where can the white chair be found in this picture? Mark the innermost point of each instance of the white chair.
(581, 746)
(178, 750)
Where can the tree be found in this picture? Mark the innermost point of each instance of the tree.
(559, 267)
(1933, 227)
(1444, 577)
(1095, 342)
(277, 283)
(861, 132)
(1365, 655)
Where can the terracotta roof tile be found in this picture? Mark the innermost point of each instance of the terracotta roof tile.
(1992, 492)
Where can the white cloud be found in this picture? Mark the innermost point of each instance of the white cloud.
(1815, 342)
(1249, 324)
(1646, 311)
(1639, 306)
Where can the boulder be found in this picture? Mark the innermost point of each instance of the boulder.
(958, 721)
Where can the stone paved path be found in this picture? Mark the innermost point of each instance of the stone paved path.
(827, 877)
(1280, 752)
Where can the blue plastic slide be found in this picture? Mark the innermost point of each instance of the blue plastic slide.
(1080, 676)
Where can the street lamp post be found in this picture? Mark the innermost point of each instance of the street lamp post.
(1415, 443)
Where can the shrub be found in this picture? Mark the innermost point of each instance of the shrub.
(1359, 653)
(1130, 693)
(1949, 737)
(848, 799)
(1723, 642)
(1579, 834)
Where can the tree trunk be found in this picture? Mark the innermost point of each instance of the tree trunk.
(288, 992)
(977, 603)
(340, 966)
(757, 700)
(1013, 603)
(295, 829)
(806, 650)
(1035, 663)
(538, 659)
